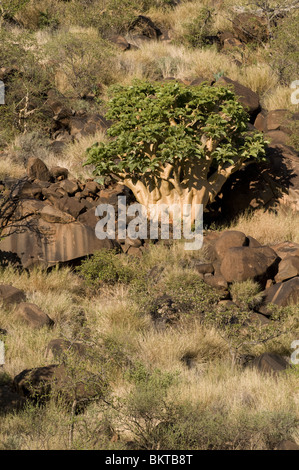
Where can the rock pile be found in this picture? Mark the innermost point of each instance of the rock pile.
(237, 258)
(59, 218)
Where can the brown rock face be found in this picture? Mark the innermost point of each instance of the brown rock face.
(286, 249)
(52, 243)
(30, 207)
(249, 27)
(120, 42)
(59, 348)
(58, 108)
(287, 445)
(281, 294)
(217, 281)
(40, 382)
(71, 187)
(89, 218)
(91, 188)
(248, 98)
(242, 263)
(32, 315)
(232, 43)
(288, 268)
(277, 137)
(30, 191)
(59, 173)
(69, 205)
(229, 239)
(37, 169)
(80, 126)
(10, 400)
(144, 28)
(260, 122)
(203, 268)
(10, 295)
(270, 363)
(52, 215)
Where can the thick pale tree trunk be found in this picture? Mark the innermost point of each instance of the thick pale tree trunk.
(183, 184)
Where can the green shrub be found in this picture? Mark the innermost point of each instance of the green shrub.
(284, 52)
(84, 58)
(173, 295)
(242, 330)
(106, 266)
(26, 86)
(197, 428)
(247, 294)
(197, 29)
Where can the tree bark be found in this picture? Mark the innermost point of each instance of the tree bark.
(186, 183)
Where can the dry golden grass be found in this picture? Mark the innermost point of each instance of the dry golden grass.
(74, 155)
(172, 348)
(198, 356)
(176, 19)
(155, 60)
(243, 390)
(10, 169)
(56, 293)
(163, 59)
(279, 98)
(260, 78)
(270, 227)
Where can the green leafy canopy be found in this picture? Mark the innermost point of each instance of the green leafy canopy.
(159, 123)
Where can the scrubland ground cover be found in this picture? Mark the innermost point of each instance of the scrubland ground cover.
(170, 371)
(171, 382)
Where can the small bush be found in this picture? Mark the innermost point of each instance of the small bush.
(197, 29)
(106, 266)
(156, 420)
(85, 60)
(246, 294)
(172, 296)
(195, 428)
(26, 86)
(284, 53)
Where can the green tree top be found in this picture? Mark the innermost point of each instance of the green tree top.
(173, 143)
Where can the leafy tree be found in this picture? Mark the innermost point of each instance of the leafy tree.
(174, 144)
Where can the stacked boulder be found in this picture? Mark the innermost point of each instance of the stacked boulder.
(234, 257)
(68, 125)
(59, 217)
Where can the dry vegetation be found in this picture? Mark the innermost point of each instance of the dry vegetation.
(270, 227)
(181, 373)
(131, 343)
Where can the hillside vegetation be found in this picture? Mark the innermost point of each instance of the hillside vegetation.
(148, 346)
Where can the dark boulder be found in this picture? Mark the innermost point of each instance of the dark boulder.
(243, 263)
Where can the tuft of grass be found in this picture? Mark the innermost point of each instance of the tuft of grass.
(269, 227)
(73, 156)
(247, 294)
